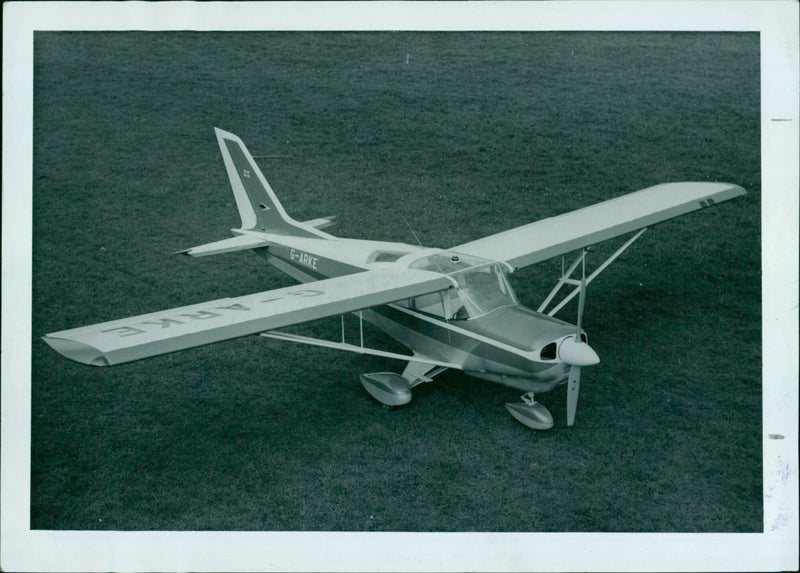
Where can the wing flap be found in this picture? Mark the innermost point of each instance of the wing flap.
(542, 240)
(147, 335)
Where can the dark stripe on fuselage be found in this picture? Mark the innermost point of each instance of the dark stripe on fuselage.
(314, 265)
(447, 334)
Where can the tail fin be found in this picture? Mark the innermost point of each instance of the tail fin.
(258, 206)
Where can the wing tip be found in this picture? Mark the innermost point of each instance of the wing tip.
(738, 189)
(77, 351)
(726, 192)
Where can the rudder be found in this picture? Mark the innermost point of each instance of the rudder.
(258, 205)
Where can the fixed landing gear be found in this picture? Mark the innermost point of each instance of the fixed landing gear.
(388, 388)
(394, 390)
(531, 413)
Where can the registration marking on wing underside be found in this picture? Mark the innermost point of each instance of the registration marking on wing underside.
(157, 333)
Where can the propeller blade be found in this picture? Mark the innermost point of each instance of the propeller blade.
(578, 353)
(573, 389)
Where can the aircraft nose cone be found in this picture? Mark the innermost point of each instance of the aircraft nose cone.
(577, 353)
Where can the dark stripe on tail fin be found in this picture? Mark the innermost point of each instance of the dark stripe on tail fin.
(258, 206)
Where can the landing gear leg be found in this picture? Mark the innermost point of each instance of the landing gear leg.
(531, 413)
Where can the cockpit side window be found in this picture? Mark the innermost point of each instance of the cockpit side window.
(429, 304)
(482, 286)
(479, 292)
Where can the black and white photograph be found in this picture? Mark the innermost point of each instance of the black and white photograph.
(400, 296)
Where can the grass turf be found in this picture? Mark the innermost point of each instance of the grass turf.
(462, 135)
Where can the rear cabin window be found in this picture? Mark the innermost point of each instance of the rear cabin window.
(385, 256)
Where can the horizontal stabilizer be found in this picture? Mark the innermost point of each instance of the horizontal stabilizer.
(238, 243)
(129, 339)
(558, 235)
(322, 222)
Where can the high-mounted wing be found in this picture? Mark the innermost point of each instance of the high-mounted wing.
(157, 333)
(542, 240)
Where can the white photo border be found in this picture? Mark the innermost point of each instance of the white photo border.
(774, 549)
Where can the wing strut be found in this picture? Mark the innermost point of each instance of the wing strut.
(566, 276)
(277, 335)
(429, 363)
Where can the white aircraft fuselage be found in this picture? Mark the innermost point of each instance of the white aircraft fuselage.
(502, 344)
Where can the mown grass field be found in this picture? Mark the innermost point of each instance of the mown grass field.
(462, 135)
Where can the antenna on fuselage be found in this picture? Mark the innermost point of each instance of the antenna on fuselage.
(433, 260)
(416, 238)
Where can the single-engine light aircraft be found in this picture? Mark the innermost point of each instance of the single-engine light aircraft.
(451, 308)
